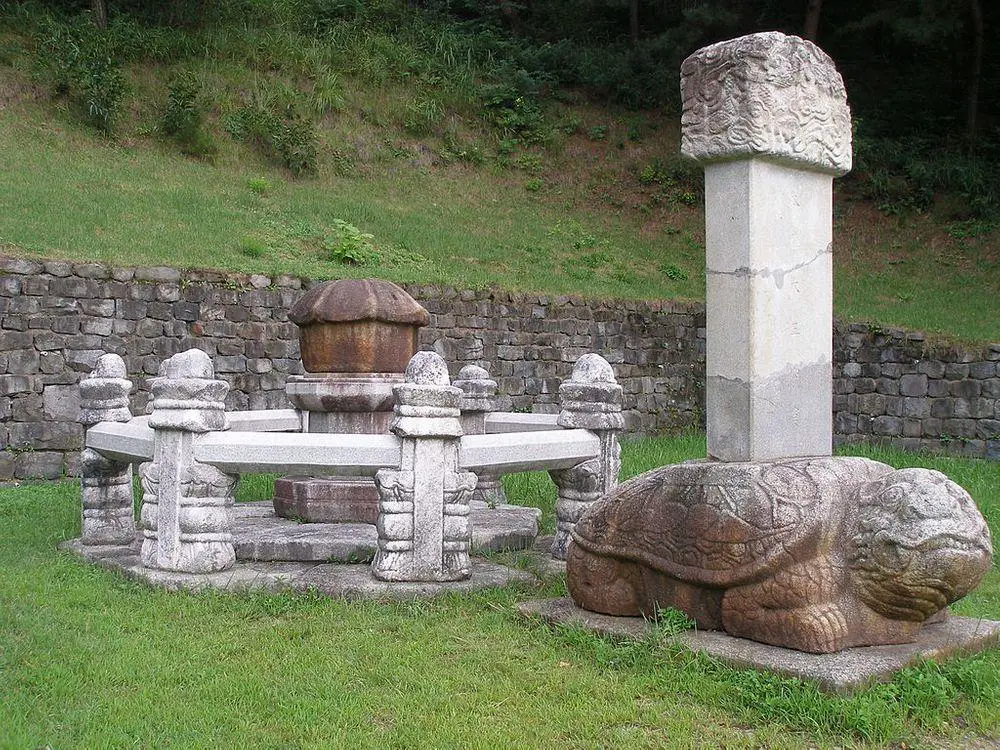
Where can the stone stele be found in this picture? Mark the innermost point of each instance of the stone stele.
(767, 116)
(817, 555)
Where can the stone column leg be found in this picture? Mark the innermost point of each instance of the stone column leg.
(423, 526)
(591, 399)
(106, 485)
(767, 115)
(187, 506)
(479, 398)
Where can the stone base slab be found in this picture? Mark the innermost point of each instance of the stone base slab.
(335, 580)
(842, 672)
(327, 499)
(262, 536)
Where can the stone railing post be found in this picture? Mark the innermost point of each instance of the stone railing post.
(591, 399)
(767, 116)
(479, 398)
(423, 523)
(106, 485)
(187, 506)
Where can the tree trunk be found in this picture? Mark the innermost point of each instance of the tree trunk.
(633, 21)
(99, 11)
(975, 71)
(814, 9)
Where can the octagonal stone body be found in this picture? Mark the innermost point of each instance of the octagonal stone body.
(357, 326)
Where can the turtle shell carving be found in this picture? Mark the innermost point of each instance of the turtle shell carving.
(815, 554)
(719, 524)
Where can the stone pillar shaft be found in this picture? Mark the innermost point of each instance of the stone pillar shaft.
(187, 506)
(423, 525)
(769, 311)
(767, 115)
(591, 399)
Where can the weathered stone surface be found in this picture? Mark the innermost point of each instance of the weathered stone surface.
(335, 580)
(842, 672)
(590, 399)
(261, 535)
(326, 499)
(423, 523)
(768, 95)
(357, 325)
(106, 485)
(817, 555)
(187, 506)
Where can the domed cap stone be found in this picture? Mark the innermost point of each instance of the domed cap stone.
(479, 390)
(109, 366)
(427, 368)
(186, 395)
(593, 368)
(357, 325)
(768, 95)
(355, 300)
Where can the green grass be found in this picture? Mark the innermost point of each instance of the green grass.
(89, 659)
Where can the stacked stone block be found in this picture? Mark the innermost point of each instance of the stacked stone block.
(893, 387)
(57, 318)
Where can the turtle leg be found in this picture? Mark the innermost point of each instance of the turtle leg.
(604, 584)
(798, 607)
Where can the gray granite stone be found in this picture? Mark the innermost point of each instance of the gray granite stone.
(842, 672)
(335, 580)
(260, 535)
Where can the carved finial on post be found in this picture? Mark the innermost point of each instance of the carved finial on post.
(186, 505)
(105, 485)
(423, 524)
(767, 115)
(479, 398)
(591, 399)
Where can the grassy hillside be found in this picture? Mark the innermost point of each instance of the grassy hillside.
(405, 152)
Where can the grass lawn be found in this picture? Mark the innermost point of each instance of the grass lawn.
(592, 228)
(90, 660)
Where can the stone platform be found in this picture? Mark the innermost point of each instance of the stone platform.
(842, 672)
(263, 536)
(335, 580)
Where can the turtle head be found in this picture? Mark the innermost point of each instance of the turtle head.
(919, 544)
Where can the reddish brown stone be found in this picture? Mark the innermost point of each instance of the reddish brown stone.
(327, 500)
(357, 325)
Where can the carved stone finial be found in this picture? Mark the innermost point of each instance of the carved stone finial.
(426, 404)
(104, 393)
(186, 395)
(479, 390)
(591, 398)
(768, 95)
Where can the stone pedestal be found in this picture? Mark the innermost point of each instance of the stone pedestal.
(351, 403)
(186, 506)
(356, 337)
(592, 400)
(767, 115)
(105, 485)
(423, 526)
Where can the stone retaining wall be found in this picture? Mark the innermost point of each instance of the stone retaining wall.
(57, 317)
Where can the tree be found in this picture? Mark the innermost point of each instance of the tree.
(99, 13)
